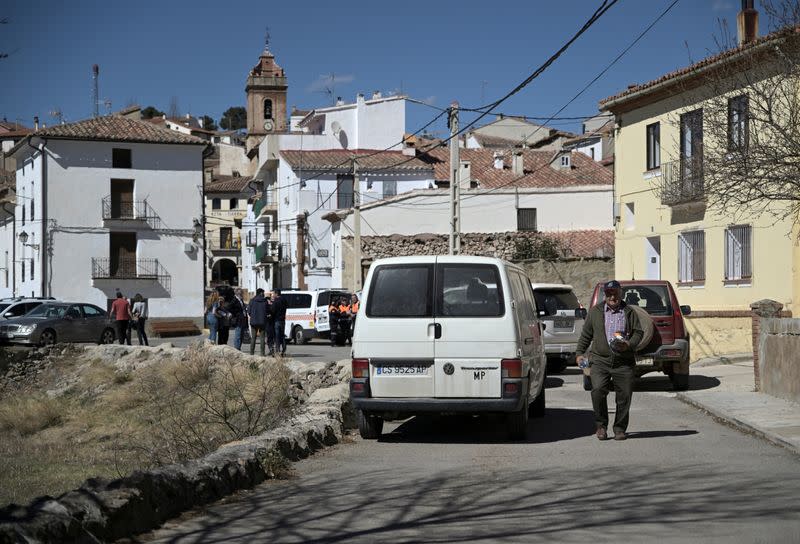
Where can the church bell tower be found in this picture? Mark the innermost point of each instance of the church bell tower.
(266, 99)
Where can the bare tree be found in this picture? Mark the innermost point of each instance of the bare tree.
(748, 161)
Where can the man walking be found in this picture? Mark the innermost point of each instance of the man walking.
(279, 317)
(121, 313)
(257, 310)
(614, 331)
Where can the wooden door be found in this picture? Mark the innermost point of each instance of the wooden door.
(123, 254)
(122, 199)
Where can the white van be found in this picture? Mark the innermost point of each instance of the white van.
(447, 334)
(563, 316)
(307, 313)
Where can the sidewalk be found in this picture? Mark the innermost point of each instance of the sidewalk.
(735, 402)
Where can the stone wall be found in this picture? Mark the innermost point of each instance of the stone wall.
(779, 358)
(582, 274)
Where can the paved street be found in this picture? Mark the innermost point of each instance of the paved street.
(680, 477)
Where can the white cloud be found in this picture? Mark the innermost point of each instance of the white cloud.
(329, 81)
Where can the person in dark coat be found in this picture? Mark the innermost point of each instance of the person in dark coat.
(614, 331)
(226, 313)
(257, 311)
(279, 305)
(270, 326)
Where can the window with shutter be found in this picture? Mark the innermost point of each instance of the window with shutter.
(738, 253)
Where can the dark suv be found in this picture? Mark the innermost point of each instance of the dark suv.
(668, 349)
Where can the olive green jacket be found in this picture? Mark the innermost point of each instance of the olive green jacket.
(594, 334)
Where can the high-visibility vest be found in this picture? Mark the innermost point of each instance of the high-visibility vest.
(344, 308)
(355, 308)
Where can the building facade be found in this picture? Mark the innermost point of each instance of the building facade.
(111, 204)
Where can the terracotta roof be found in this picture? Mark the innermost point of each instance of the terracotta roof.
(228, 184)
(114, 128)
(536, 165)
(338, 160)
(699, 66)
(13, 134)
(12, 126)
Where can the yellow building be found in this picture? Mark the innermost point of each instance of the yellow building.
(225, 208)
(718, 261)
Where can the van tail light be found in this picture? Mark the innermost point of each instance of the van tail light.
(677, 320)
(511, 368)
(360, 368)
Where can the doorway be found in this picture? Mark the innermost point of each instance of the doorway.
(122, 199)
(122, 252)
(652, 252)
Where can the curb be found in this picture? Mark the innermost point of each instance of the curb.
(730, 359)
(103, 510)
(739, 424)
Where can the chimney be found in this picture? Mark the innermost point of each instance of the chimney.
(376, 95)
(339, 101)
(464, 175)
(35, 122)
(498, 160)
(207, 176)
(517, 165)
(747, 22)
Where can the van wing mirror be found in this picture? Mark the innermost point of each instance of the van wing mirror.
(686, 310)
(580, 313)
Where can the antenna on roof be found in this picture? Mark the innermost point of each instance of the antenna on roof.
(330, 88)
(57, 115)
(95, 94)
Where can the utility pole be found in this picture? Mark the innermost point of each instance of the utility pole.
(356, 229)
(455, 189)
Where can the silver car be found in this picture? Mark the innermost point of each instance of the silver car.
(563, 317)
(59, 322)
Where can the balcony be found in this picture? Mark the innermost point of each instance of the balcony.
(266, 206)
(116, 212)
(268, 252)
(148, 271)
(224, 246)
(682, 181)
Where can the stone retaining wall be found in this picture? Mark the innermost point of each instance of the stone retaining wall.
(779, 358)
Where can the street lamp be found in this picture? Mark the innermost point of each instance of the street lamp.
(23, 239)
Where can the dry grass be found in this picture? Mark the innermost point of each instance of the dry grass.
(109, 423)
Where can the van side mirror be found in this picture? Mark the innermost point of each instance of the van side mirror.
(686, 310)
(580, 313)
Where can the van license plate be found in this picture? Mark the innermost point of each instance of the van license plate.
(401, 370)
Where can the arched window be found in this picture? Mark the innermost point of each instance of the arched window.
(267, 109)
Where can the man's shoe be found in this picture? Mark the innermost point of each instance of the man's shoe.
(601, 433)
(620, 435)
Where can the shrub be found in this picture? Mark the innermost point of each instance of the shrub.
(30, 414)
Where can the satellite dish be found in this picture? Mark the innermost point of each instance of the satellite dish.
(336, 128)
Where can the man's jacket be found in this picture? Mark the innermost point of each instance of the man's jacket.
(257, 309)
(594, 334)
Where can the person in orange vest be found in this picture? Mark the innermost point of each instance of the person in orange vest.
(333, 319)
(345, 318)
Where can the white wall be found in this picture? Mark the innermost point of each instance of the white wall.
(6, 252)
(232, 158)
(78, 177)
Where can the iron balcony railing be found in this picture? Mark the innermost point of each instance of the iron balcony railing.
(131, 210)
(106, 268)
(224, 245)
(682, 181)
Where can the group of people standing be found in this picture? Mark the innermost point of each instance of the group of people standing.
(342, 316)
(127, 316)
(265, 316)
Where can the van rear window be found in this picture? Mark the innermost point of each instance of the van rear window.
(653, 298)
(401, 291)
(552, 300)
(469, 290)
(297, 300)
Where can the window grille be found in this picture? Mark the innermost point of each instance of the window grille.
(738, 252)
(692, 257)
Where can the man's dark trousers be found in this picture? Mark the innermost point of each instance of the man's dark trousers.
(122, 331)
(621, 375)
(280, 338)
(257, 330)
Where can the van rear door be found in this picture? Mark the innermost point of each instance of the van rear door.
(476, 329)
(396, 331)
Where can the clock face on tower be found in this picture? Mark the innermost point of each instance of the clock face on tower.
(269, 124)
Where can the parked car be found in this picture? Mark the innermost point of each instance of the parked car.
(563, 317)
(19, 306)
(668, 349)
(53, 322)
(444, 334)
(307, 313)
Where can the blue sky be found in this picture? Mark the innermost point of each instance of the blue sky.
(437, 51)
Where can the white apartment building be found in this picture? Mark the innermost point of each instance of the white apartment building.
(108, 204)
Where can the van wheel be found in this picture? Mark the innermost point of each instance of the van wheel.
(297, 335)
(518, 423)
(369, 427)
(537, 407)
